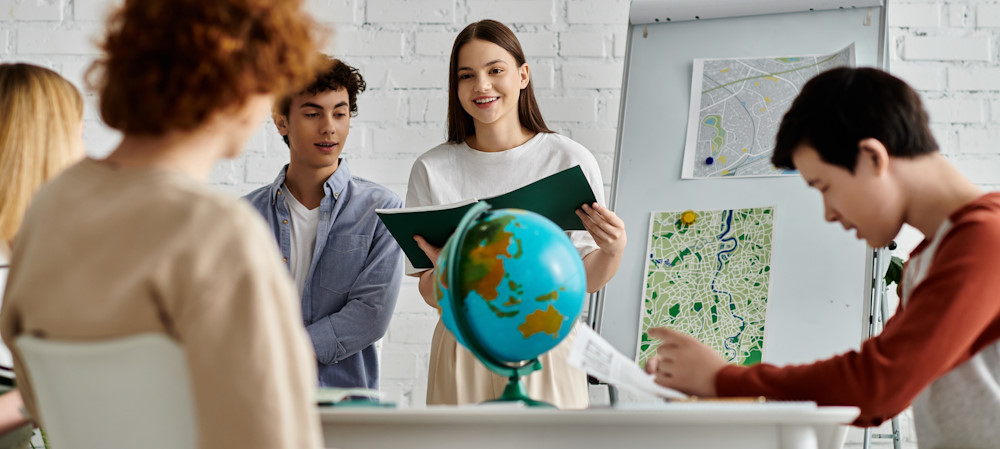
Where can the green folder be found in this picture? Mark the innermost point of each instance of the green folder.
(556, 197)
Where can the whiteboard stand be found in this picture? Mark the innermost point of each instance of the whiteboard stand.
(819, 304)
(880, 310)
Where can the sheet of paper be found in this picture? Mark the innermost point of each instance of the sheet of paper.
(595, 355)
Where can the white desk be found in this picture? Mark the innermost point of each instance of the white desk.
(692, 425)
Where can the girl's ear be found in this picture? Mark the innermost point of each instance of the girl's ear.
(525, 76)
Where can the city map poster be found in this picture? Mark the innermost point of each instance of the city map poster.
(736, 108)
(708, 275)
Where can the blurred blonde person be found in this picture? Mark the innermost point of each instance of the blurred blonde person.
(39, 137)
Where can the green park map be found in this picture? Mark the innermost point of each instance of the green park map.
(707, 275)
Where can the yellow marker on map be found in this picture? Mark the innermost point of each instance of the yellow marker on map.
(688, 217)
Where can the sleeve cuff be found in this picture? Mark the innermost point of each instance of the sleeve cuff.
(727, 382)
(324, 340)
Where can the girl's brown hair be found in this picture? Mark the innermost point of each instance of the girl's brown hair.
(460, 125)
(39, 136)
(170, 65)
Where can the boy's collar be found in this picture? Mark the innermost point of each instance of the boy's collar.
(333, 185)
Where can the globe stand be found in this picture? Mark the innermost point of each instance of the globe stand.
(514, 391)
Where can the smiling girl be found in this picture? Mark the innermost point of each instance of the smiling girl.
(497, 142)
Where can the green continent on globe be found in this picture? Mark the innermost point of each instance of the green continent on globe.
(484, 252)
(551, 296)
(548, 321)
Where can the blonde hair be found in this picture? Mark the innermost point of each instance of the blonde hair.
(39, 136)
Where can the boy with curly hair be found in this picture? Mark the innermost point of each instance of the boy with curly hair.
(347, 267)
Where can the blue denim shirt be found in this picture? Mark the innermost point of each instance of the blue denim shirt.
(354, 279)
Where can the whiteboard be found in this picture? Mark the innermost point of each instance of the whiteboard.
(821, 275)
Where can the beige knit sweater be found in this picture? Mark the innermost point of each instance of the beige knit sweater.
(106, 252)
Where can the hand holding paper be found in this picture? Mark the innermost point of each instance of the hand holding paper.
(684, 363)
(593, 354)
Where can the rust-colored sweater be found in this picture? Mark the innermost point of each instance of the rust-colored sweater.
(948, 317)
(105, 253)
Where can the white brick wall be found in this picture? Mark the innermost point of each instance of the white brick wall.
(407, 11)
(956, 69)
(915, 15)
(31, 10)
(513, 11)
(947, 49)
(335, 11)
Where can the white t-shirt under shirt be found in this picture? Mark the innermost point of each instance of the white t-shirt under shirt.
(450, 173)
(304, 223)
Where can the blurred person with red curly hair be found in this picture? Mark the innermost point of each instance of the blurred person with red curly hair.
(138, 243)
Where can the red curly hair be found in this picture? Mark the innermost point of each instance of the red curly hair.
(170, 65)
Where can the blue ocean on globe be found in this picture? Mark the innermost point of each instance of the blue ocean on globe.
(522, 281)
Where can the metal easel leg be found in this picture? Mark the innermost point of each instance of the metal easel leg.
(879, 312)
(897, 442)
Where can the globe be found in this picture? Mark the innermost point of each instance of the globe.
(510, 286)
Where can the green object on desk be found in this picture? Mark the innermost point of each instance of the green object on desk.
(556, 197)
(350, 397)
(359, 403)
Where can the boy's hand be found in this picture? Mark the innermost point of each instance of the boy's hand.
(431, 251)
(607, 229)
(683, 363)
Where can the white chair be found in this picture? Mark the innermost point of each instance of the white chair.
(132, 392)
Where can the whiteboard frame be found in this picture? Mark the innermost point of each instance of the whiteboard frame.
(819, 329)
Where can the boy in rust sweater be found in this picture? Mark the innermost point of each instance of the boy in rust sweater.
(861, 137)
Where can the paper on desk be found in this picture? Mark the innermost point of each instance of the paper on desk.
(595, 355)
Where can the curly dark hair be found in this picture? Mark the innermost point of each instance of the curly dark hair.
(333, 75)
(170, 65)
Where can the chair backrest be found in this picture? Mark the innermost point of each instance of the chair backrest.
(124, 393)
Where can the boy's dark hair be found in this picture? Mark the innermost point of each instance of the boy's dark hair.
(333, 75)
(840, 107)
